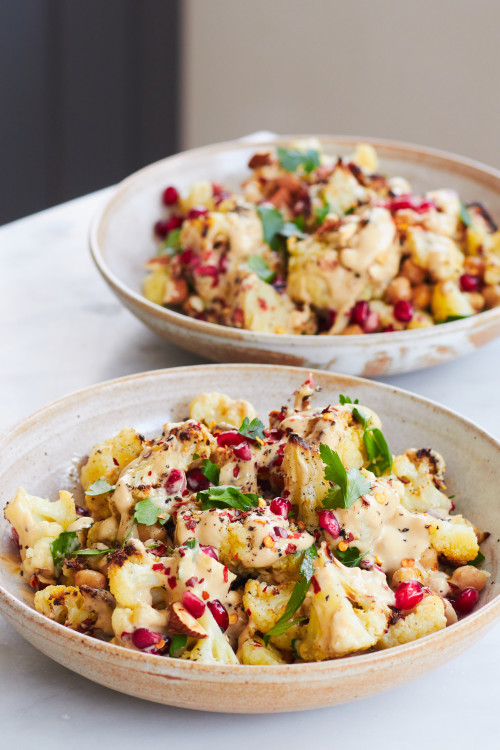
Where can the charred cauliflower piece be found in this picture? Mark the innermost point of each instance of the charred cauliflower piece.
(214, 649)
(421, 473)
(218, 408)
(254, 651)
(454, 538)
(427, 617)
(78, 608)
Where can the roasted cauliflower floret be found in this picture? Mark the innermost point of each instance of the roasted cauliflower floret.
(435, 253)
(38, 522)
(454, 538)
(214, 649)
(79, 608)
(343, 618)
(254, 651)
(421, 473)
(218, 408)
(265, 603)
(304, 479)
(426, 618)
(448, 302)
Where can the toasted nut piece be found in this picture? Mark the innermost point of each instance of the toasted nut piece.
(491, 295)
(405, 574)
(481, 536)
(429, 559)
(91, 578)
(421, 296)
(398, 289)
(282, 197)
(260, 160)
(152, 532)
(182, 622)
(176, 292)
(414, 273)
(268, 541)
(353, 330)
(467, 576)
(474, 266)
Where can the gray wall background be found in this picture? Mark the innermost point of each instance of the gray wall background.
(425, 72)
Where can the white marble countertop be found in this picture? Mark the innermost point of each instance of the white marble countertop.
(62, 329)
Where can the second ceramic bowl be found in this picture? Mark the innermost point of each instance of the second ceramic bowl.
(121, 241)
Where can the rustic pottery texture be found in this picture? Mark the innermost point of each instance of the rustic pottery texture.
(41, 454)
(121, 241)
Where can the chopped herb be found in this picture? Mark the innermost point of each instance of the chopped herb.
(177, 644)
(322, 212)
(261, 268)
(191, 543)
(210, 471)
(350, 211)
(291, 159)
(272, 224)
(361, 417)
(298, 595)
(100, 487)
(195, 456)
(452, 318)
(377, 450)
(294, 648)
(346, 400)
(65, 544)
(172, 243)
(90, 552)
(351, 557)
(300, 222)
(450, 497)
(253, 429)
(465, 216)
(348, 486)
(478, 560)
(147, 513)
(227, 496)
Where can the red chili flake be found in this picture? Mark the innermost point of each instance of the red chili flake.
(285, 493)
(249, 612)
(186, 492)
(294, 536)
(262, 303)
(280, 532)
(236, 556)
(238, 316)
(291, 549)
(172, 582)
(316, 586)
(115, 461)
(158, 566)
(453, 506)
(191, 582)
(225, 574)
(348, 537)
(236, 471)
(167, 571)
(205, 595)
(191, 524)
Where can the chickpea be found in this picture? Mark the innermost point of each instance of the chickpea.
(477, 300)
(421, 296)
(413, 273)
(156, 532)
(491, 294)
(405, 574)
(176, 292)
(398, 289)
(429, 559)
(91, 578)
(449, 613)
(467, 576)
(438, 583)
(352, 330)
(474, 266)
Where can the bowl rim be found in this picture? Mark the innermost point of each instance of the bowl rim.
(456, 163)
(453, 634)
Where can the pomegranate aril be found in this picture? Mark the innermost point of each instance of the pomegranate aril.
(328, 522)
(175, 222)
(403, 311)
(175, 483)
(170, 196)
(466, 601)
(280, 507)
(144, 638)
(193, 604)
(219, 613)
(360, 313)
(197, 211)
(279, 532)
(243, 451)
(210, 551)
(469, 282)
(409, 594)
(161, 229)
(196, 481)
(229, 438)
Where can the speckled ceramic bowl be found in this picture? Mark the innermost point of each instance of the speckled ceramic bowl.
(38, 454)
(121, 241)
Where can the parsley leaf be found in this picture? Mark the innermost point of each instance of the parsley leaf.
(65, 544)
(477, 560)
(261, 268)
(322, 212)
(465, 216)
(346, 400)
(253, 429)
(291, 159)
(377, 450)
(351, 557)
(191, 543)
(100, 487)
(226, 496)
(363, 419)
(177, 644)
(172, 243)
(348, 487)
(298, 595)
(92, 551)
(272, 224)
(147, 512)
(291, 229)
(452, 318)
(210, 471)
